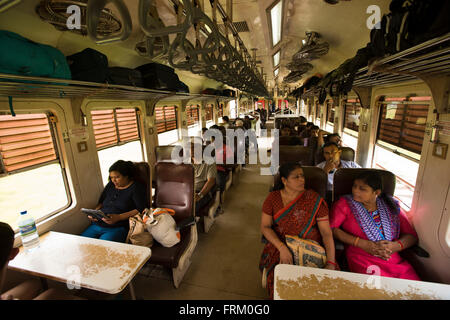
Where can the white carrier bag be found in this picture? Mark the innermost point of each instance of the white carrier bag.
(162, 226)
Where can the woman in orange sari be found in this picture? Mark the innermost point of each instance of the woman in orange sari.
(292, 210)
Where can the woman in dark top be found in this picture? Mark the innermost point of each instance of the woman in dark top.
(122, 198)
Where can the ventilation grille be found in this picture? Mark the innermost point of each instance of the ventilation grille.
(241, 26)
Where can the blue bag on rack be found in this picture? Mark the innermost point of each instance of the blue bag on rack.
(21, 56)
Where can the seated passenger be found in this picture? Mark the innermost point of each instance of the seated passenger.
(225, 164)
(374, 229)
(121, 199)
(332, 154)
(292, 210)
(31, 289)
(332, 137)
(204, 181)
(226, 122)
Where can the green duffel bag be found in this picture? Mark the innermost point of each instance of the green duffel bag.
(21, 56)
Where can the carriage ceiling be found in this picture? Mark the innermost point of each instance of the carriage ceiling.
(342, 25)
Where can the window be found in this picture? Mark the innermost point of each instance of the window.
(276, 59)
(166, 124)
(275, 20)
(220, 113)
(275, 73)
(317, 114)
(400, 135)
(329, 126)
(233, 109)
(29, 161)
(209, 110)
(351, 123)
(193, 122)
(117, 137)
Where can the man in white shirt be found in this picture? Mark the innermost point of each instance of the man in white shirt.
(332, 154)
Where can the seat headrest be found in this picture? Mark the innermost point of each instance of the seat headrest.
(175, 185)
(343, 181)
(315, 179)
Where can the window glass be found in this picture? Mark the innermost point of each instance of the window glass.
(117, 137)
(32, 176)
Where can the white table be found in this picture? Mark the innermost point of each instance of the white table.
(95, 264)
(304, 283)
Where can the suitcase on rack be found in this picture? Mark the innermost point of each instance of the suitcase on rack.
(182, 87)
(89, 65)
(158, 76)
(21, 56)
(125, 77)
(228, 93)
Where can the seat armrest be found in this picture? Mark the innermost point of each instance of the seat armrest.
(185, 223)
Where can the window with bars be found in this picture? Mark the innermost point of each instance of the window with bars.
(402, 122)
(401, 130)
(25, 141)
(32, 176)
(166, 118)
(192, 113)
(352, 113)
(117, 137)
(220, 112)
(330, 111)
(209, 112)
(114, 126)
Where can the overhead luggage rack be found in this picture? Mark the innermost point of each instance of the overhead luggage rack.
(37, 87)
(427, 59)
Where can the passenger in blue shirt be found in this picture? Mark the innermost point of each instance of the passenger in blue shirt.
(332, 154)
(121, 199)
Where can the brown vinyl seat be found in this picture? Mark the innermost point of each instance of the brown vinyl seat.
(142, 175)
(315, 179)
(175, 184)
(344, 177)
(164, 153)
(348, 154)
(290, 141)
(301, 154)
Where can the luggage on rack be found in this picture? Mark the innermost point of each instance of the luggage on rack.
(409, 23)
(125, 77)
(21, 56)
(89, 65)
(211, 91)
(228, 93)
(158, 76)
(182, 87)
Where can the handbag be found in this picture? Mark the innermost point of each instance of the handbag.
(138, 233)
(162, 226)
(306, 252)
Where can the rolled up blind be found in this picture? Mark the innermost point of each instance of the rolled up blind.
(25, 140)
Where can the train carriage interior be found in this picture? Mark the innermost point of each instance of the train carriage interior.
(86, 83)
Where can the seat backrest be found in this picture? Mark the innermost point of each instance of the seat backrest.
(290, 140)
(343, 180)
(315, 179)
(142, 175)
(348, 154)
(301, 154)
(164, 153)
(175, 184)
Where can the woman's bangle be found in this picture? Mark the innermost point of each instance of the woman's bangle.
(401, 244)
(331, 262)
(355, 242)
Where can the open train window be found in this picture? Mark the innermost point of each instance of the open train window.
(317, 121)
(166, 124)
(329, 125)
(193, 120)
(220, 113)
(351, 123)
(209, 115)
(398, 146)
(32, 173)
(117, 137)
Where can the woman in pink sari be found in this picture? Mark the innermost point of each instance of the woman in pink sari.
(373, 229)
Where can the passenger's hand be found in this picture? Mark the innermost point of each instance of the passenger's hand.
(391, 246)
(376, 249)
(329, 166)
(112, 218)
(92, 219)
(285, 255)
(330, 267)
